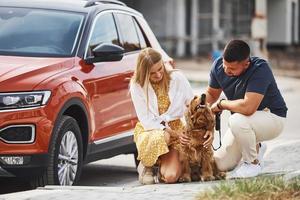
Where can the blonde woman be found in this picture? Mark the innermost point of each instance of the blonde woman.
(160, 97)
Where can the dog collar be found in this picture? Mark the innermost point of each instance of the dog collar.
(200, 106)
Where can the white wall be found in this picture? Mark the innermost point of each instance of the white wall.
(280, 21)
(277, 21)
(180, 18)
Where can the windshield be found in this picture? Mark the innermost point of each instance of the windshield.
(37, 32)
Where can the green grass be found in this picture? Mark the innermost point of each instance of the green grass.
(263, 188)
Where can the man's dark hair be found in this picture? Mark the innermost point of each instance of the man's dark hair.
(236, 50)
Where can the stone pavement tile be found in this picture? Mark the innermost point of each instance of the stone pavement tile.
(292, 175)
(282, 155)
(187, 191)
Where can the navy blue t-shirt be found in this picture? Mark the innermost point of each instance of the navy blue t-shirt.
(257, 78)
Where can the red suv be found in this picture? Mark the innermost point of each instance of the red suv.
(65, 67)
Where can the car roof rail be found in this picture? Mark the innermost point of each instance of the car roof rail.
(93, 2)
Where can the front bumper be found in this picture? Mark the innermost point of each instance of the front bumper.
(42, 124)
(34, 152)
(4, 173)
(33, 165)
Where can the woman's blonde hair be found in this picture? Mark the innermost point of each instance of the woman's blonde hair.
(146, 59)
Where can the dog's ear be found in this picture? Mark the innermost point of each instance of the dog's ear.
(203, 99)
(193, 102)
(190, 106)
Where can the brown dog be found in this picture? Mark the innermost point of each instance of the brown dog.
(199, 120)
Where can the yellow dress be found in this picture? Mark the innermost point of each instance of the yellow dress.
(151, 144)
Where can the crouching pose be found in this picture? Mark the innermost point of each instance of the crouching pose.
(257, 106)
(160, 97)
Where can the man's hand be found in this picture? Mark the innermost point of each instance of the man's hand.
(209, 139)
(215, 108)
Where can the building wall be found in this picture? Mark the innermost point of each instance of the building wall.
(154, 12)
(283, 23)
(190, 28)
(167, 20)
(277, 22)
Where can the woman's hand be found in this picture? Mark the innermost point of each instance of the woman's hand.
(184, 139)
(169, 133)
(210, 137)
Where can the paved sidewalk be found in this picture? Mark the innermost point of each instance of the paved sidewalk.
(187, 191)
(282, 156)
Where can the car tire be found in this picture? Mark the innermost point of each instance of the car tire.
(65, 155)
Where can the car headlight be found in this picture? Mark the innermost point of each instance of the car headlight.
(21, 100)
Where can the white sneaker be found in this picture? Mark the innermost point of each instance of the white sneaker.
(261, 152)
(145, 174)
(246, 170)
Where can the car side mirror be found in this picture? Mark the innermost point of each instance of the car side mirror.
(105, 53)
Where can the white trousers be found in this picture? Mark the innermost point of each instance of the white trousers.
(243, 134)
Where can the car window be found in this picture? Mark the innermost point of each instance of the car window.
(130, 39)
(142, 40)
(104, 31)
(38, 32)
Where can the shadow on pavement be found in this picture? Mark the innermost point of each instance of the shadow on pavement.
(9, 185)
(108, 175)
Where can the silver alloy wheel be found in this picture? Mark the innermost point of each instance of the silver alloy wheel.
(68, 159)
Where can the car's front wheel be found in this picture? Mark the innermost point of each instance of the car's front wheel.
(65, 162)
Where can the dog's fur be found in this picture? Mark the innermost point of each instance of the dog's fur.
(198, 162)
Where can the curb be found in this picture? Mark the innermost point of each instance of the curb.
(291, 176)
